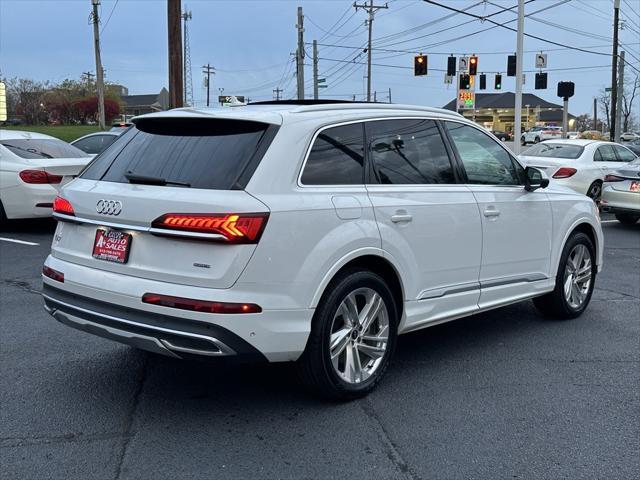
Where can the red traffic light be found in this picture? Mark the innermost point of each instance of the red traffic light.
(473, 65)
(420, 65)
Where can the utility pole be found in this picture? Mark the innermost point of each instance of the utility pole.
(277, 91)
(186, 62)
(99, 70)
(614, 68)
(595, 114)
(517, 127)
(389, 95)
(315, 69)
(174, 15)
(375, 96)
(371, 9)
(300, 55)
(208, 71)
(618, 120)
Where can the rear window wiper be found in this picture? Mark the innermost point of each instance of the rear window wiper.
(147, 180)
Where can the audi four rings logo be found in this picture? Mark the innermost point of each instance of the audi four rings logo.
(109, 207)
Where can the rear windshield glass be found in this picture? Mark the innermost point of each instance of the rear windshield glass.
(38, 148)
(196, 153)
(554, 150)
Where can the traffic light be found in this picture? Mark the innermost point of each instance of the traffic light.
(541, 81)
(498, 83)
(473, 65)
(451, 66)
(483, 81)
(420, 65)
(511, 66)
(465, 81)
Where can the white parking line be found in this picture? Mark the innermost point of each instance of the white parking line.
(22, 242)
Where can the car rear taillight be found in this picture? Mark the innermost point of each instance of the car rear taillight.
(613, 178)
(234, 227)
(53, 274)
(565, 172)
(60, 205)
(204, 306)
(39, 176)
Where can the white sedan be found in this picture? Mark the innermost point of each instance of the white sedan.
(578, 164)
(33, 167)
(539, 134)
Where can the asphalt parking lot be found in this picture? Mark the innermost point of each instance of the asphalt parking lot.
(503, 394)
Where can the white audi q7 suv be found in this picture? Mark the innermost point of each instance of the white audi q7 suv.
(314, 233)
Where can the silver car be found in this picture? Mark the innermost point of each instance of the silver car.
(621, 193)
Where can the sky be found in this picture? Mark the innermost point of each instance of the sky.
(250, 45)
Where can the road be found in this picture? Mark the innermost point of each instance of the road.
(503, 394)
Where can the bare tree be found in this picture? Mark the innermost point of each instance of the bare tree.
(628, 97)
(29, 98)
(604, 102)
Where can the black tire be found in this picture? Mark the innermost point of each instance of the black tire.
(523, 141)
(555, 304)
(3, 216)
(315, 367)
(627, 218)
(595, 191)
(536, 140)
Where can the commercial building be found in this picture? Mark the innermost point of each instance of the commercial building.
(496, 111)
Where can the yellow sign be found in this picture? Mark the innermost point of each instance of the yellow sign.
(3, 102)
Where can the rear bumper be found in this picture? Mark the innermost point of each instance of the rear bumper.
(22, 201)
(171, 336)
(620, 201)
(110, 305)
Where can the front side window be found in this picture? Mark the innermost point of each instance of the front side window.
(485, 160)
(408, 152)
(95, 143)
(337, 157)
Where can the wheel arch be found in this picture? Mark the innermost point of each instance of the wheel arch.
(373, 262)
(589, 230)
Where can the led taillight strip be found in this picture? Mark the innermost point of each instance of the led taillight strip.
(232, 227)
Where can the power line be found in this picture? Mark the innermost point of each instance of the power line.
(109, 17)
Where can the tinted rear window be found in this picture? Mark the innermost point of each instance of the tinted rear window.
(38, 148)
(200, 153)
(554, 150)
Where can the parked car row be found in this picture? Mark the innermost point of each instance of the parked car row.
(606, 172)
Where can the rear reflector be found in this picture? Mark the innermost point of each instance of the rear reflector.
(39, 176)
(236, 228)
(565, 172)
(53, 274)
(613, 178)
(60, 205)
(200, 305)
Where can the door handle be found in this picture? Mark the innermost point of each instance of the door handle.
(401, 218)
(491, 212)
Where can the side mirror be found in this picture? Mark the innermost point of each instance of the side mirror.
(535, 179)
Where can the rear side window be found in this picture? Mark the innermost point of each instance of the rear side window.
(408, 152)
(605, 153)
(337, 157)
(485, 161)
(38, 148)
(624, 154)
(197, 153)
(95, 143)
(555, 150)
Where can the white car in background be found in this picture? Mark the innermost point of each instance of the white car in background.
(580, 165)
(629, 136)
(96, 143)
(33, 167)
(621, 193)
(540, 134)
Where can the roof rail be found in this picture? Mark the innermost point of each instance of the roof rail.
(372, 106)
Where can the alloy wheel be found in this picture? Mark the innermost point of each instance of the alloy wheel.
(359, 335)
(577, 276)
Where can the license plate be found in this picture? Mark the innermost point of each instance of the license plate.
(635, 186)
(112, 246)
